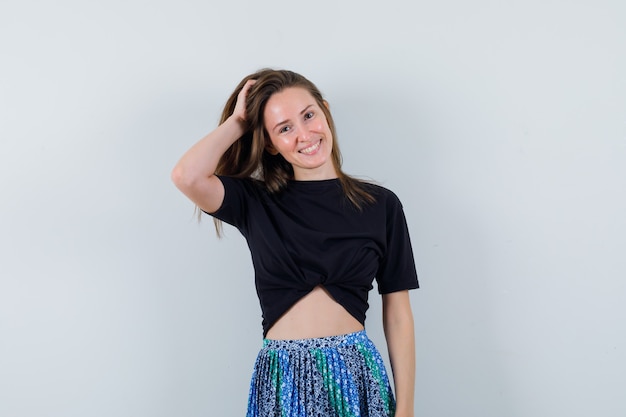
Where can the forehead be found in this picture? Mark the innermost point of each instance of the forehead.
(287, 103)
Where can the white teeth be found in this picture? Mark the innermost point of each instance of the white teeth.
(311, 148)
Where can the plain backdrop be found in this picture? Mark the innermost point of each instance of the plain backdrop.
(500, 125)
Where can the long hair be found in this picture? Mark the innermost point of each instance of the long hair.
(248, 156)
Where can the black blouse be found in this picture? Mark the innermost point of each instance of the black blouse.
(309, 234)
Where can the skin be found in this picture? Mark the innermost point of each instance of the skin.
(194, 174)
(400, 337)
(299, 131)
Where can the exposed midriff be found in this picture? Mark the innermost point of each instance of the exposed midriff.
(317, 314)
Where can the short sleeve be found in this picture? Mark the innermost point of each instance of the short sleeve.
(237, 195)
(397, 267)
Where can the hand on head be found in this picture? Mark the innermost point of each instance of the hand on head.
(240, 106)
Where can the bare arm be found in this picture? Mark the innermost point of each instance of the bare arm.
(194, 174)
(400, 335)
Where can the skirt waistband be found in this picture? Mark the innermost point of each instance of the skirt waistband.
(317, 342)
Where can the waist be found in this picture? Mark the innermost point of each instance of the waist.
(335, 341)
(315, 315)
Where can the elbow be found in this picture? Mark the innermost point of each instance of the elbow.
(177, 175)
(403, 320)
(181, 178)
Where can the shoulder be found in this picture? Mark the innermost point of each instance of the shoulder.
(247, 184)
(383, 195)
(242, 192)
(241, 197)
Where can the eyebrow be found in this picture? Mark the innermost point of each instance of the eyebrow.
(285, 121)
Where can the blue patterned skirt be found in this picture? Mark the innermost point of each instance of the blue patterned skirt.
(339, 376)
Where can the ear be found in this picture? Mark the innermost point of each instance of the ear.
(271, 150)
(326, 104)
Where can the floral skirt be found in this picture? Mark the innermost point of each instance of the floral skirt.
(339, 376)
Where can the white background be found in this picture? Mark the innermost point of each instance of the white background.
(501, 126)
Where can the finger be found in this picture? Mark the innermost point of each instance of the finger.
(248, 84)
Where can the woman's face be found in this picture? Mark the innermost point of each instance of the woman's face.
(299, 132)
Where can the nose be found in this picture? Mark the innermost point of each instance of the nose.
(303, 133)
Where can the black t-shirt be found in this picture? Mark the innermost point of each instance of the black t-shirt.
(310, 234)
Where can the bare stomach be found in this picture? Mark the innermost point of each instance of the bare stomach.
(317, 314)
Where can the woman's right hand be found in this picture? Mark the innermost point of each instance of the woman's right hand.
(240, 107)
(194, 174)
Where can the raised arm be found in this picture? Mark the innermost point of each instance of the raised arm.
(400, 335)
(194, 174)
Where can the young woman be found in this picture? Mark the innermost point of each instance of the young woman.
(318, 238)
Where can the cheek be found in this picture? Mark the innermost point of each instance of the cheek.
(322, 126)
(280, 143)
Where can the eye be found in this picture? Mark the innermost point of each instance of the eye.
(309, 115)
(284, 129)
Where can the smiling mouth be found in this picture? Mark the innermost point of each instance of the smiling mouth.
(311, 149)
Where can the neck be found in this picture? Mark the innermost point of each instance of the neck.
(312, 175)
